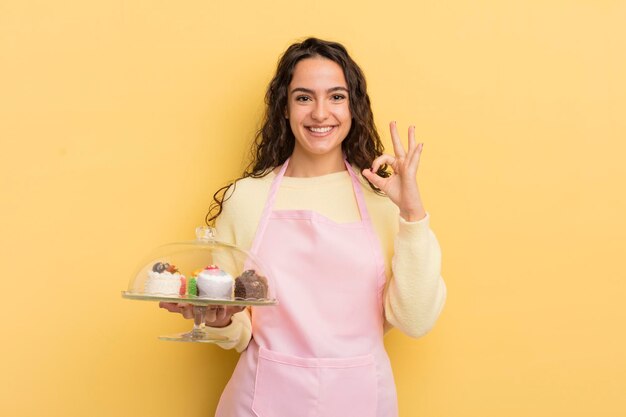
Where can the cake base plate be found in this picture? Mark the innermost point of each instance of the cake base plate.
(194, 336)
(198, 301)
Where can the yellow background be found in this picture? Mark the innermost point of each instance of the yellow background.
(118, 120)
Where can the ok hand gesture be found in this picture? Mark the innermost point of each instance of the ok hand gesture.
(401, 186)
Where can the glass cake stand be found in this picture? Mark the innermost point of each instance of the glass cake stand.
(182, 265)
(199, 333)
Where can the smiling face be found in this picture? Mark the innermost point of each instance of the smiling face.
(318, 108)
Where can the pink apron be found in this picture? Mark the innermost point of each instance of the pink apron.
(320, 352)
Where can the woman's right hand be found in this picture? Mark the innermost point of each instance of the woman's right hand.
(216, 315)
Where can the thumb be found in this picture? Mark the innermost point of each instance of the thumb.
(235, 309)
(373, 178)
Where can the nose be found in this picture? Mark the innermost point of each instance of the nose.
(320, 111)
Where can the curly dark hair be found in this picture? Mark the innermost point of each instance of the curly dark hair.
(275, 141)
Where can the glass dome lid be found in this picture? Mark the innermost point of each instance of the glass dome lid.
(202, 272)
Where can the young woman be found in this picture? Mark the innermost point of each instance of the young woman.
(348, 243)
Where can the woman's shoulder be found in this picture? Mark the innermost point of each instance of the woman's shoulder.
(245, 196)
(249, 188)
(241, 210)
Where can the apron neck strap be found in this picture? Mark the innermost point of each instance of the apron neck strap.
(269, 203)
(358, 192)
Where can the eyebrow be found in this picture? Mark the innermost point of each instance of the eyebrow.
(308, 91)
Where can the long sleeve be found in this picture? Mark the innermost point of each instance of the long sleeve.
(415, 292)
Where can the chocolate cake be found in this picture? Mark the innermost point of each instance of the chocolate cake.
(250, 286)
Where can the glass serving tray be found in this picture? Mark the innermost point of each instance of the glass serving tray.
(198, 301)
(173, 273)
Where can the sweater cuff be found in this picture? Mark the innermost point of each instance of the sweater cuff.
(237, 334)
(414, 230)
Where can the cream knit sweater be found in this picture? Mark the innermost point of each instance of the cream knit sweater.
(415, 292)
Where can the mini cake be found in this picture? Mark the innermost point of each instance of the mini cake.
(214, 283)
(192, 286)
(251, 286)
(164, 279)
(183, 286)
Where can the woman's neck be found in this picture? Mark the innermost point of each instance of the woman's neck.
(307, 165)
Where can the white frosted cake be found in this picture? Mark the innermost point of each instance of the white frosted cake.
(164, 279)
(215, 283)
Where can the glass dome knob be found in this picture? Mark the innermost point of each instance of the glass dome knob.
(205, 233)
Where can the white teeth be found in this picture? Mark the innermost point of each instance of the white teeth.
(320, 129)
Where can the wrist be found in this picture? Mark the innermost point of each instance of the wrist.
(413, 215)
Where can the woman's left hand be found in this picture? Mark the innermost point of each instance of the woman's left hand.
(401, 186)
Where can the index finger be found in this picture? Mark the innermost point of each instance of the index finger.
(171, 307)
